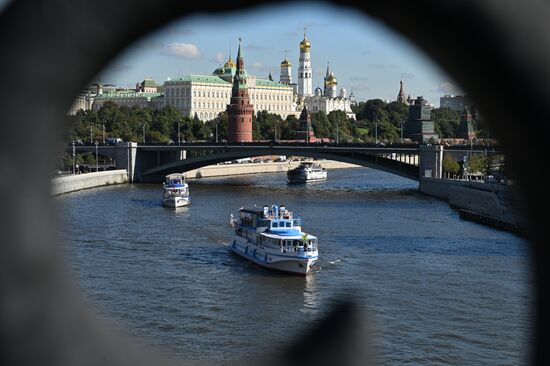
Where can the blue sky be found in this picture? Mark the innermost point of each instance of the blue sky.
(365, 55)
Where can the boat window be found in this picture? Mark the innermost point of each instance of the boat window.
(288, 224)
(274, 224)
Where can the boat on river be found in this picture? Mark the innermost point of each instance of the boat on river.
(306, 172)
(272, 237)
(176, 191)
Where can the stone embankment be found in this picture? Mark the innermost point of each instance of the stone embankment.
(71, 183)
(77, 182)
(254, 168)
(487, 203)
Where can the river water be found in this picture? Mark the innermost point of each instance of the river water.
(436, 289)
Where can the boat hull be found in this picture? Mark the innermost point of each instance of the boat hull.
(300, 265)
(303, 177)
(175, 201)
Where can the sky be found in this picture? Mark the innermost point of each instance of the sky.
(366, 56)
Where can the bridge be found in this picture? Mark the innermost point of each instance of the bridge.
(151, 162)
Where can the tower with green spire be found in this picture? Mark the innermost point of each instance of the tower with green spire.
(239, 111)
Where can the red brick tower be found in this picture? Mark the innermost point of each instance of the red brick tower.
(239, 111)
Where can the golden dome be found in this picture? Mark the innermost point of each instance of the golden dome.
(286, 63)
(331, 80)
(230, 63)
(305, 45)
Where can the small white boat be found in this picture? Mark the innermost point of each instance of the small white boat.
(306, 172)
(273, 238)
(176, 191)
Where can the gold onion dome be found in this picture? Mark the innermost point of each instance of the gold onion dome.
(331, 80)
(285, 63)
(305, 45)
(230, 63)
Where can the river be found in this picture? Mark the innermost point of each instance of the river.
(436, 289)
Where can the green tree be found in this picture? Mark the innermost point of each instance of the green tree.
(450, 166)
(446, 122)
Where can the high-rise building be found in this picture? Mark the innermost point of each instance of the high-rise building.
(305, 83)
(239, 111)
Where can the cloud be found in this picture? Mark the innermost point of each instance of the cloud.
(219, 58)
(358, 78)
(255, 47)
(182, 50)
(446, 87)
(258, 66)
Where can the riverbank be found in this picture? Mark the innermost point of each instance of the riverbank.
(490, 204)
(72, 183)
(77, 182)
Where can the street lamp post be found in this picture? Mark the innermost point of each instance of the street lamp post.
(96, 158)
(402, 131)
(337, 130)
(179, 135)
(144, 124)
(91, 133)
(74, 159)
(103, 132)
(376, 132)
(217, 122)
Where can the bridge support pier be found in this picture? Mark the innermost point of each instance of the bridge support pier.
(430, 161)
(124, 155)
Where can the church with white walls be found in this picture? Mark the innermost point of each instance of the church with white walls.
(324, 100)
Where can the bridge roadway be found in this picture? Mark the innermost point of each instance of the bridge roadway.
(151, 162)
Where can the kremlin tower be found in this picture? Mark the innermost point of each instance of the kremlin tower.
(306, 131)
(239, 111)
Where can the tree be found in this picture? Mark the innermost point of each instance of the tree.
(446, 122)
(476, 164)
(450, 166)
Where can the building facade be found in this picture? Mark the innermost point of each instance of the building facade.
(420, 127)
(328, 100)
(207, 95)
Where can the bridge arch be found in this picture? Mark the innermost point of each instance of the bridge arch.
(379, 162)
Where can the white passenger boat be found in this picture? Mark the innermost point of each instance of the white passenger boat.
(306, 172)
(273, 238)
(176, 191)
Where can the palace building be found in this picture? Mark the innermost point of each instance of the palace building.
(208, 95)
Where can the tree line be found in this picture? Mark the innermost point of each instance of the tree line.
(374, 118)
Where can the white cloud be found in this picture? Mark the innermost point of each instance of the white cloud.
(219, 58)
(182, 50)
(257, 66)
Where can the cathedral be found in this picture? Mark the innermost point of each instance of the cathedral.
(324, 100)
(207, 95)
